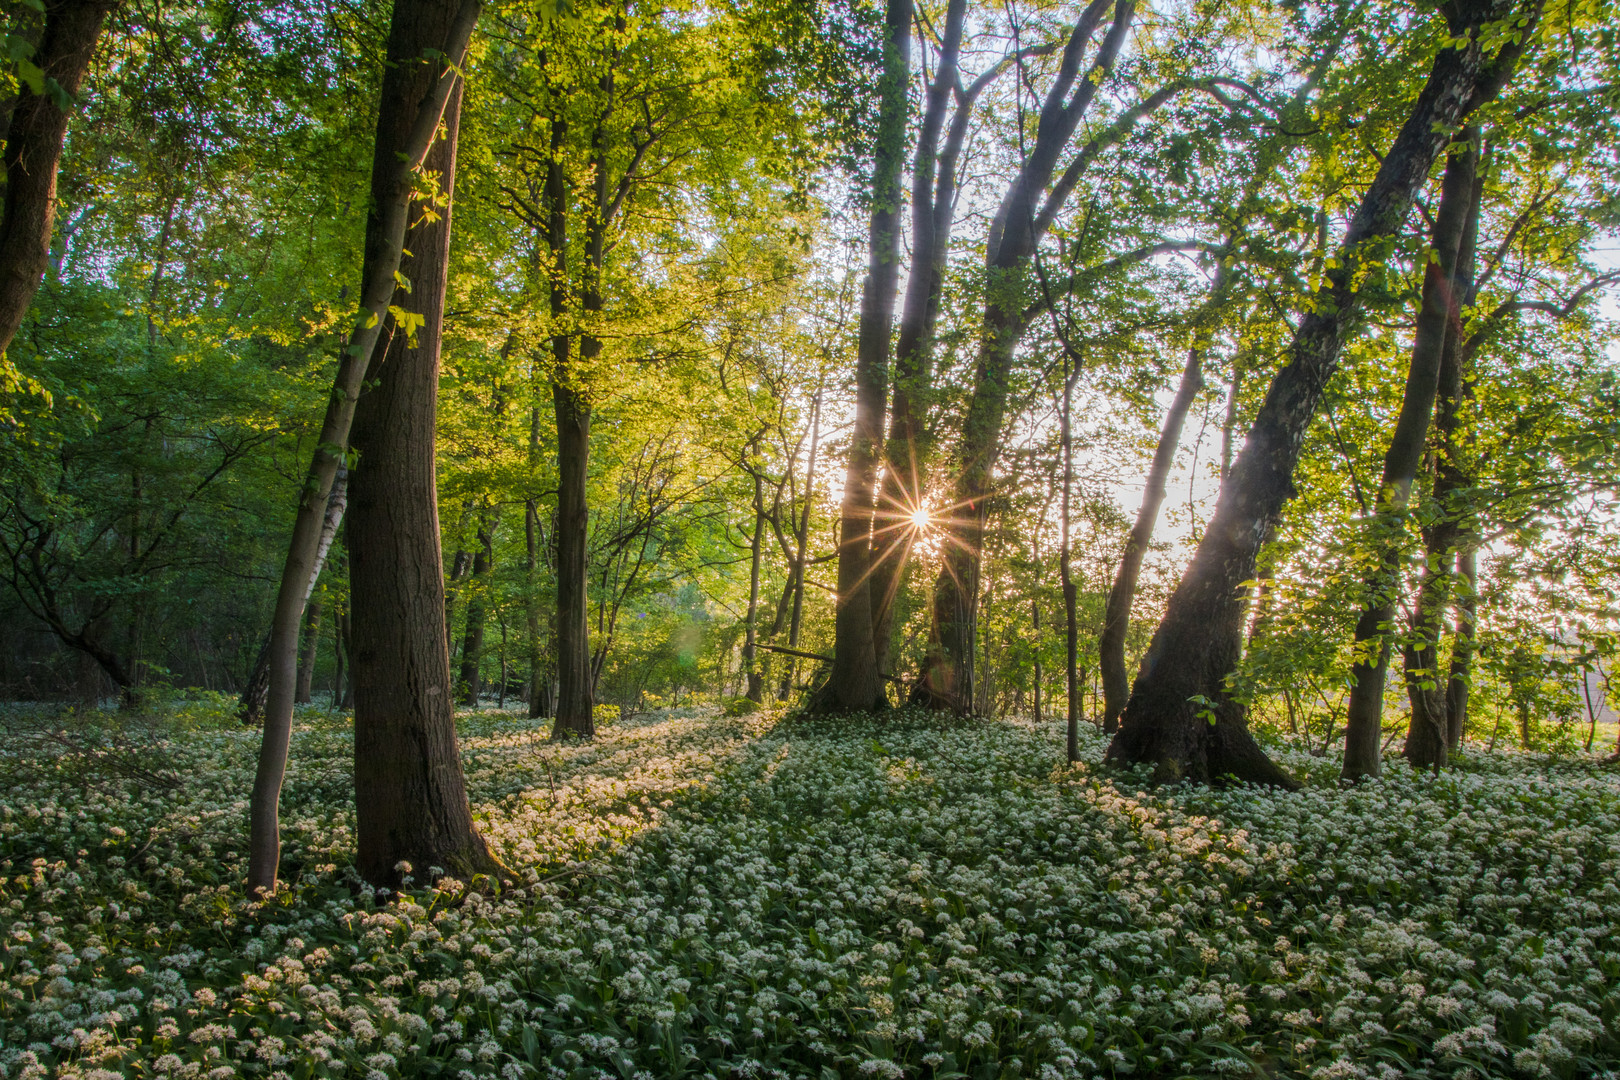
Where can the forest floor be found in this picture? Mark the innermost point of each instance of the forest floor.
(755, 897)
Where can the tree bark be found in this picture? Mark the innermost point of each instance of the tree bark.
(34, 137)
(410, 794)
(1035, 624)
(257, 692)
(756, 677)
(801, 547)
(1460, 678)
(856, 682)
(1438, 323)
(309, 653)
(1015, 233)
(1448, 540)
(427, 40)
(933, 207)
(1117, 614)
(1071, 627)
(472, 641)
(1180, 717)
(539, 673)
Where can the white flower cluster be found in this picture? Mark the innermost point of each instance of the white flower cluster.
(900, 896)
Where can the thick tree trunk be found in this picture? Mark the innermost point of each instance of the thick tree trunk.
(856, 681)
(1117, 614)
(1438, 322)
(427, 40)
(472, 641)
(310, 651)
(1180, 717)
(410, 795)
(33, 151)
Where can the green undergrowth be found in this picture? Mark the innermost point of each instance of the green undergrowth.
(703, 895)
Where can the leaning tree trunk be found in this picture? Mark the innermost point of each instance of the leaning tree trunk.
(1429, 738)
(410, 796)
(1181, 717)
(34, 137)
(1117, 614)
(427, 41)
(256, 694)
(1438, 329)
(856, 681)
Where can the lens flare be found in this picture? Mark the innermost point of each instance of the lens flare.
(920, 519)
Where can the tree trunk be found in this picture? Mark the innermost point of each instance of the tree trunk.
(1462, 652)
(1015, 233)
(340, 652)
(1117, 614)
(256, 694)
(574, 701)
(1035, 622)
(1071, 627)
(311, 650)
(1439, 321)
(801, 546)
(856, 682)
(1447, 541)
(410, 794)
(427, 40)
(472, 642)
(34, 137)
(1180, 717)
(933, 206)
(756, 678)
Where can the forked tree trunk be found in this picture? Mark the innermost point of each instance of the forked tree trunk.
(1117, 614)
(933, 205)
(427, 41)
(1438, 331)
(1180, 717)
(1027, 210)
(34, 137)
(1429, 738)
(856, 682)
(410, 794)
(472, 641)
